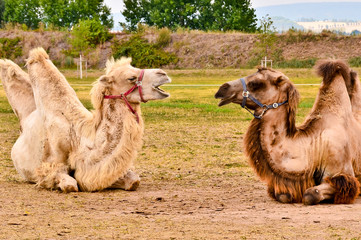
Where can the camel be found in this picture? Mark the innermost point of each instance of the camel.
(64, 146)
(317, 161)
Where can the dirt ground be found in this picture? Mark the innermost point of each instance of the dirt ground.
(232, 208)
(196, 184)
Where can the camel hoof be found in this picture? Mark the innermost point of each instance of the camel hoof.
(284, 198)
(311, 196)
(133, 186)
(68, 184)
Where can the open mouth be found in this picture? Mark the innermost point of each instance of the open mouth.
(161, 91)
(225, 101)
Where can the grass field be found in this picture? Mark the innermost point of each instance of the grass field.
(189, 143)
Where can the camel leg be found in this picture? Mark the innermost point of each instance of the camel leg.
(129, 182)
(342, 189)
(55, 176)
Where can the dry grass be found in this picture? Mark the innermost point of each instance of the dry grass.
(196, 182)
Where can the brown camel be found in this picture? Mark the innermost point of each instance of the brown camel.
(64, 146)
(319, 160)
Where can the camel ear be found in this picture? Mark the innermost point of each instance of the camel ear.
(293, 98)
(106, 80)
(280, 80)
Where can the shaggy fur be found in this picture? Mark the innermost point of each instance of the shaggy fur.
(63, 145)
(347, 188)
(313, 162)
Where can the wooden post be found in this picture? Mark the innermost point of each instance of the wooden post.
(81, 68)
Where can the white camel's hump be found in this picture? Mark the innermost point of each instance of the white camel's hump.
(37, 55)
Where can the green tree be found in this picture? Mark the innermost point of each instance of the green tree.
(2, 9)
(193, 14)
(23, 11)
(90, 9)
(234, 15)
(61, 13)
(87, 34)
(56, 12)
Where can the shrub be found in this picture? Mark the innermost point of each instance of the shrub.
(164, 37)
(10, 48)
(88, 34)
(295, 63)
(355, 62)
(143, 53)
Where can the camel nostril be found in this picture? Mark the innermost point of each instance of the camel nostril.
(225, 86)
(222, 91)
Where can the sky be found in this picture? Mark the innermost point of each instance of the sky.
(263, 3)
(117, 5)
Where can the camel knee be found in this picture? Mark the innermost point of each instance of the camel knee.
(284, 197)
(346, 188)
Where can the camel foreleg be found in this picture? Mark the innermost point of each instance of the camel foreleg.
(129, 182)
(55, 176)
(343, 189)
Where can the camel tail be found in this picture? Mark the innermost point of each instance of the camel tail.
(18, 89)
(328, 69)
(37, 55)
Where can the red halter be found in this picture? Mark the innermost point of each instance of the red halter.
(138, 84)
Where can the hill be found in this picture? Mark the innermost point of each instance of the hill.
(199, 49)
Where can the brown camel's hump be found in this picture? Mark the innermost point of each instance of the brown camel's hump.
(328, 69)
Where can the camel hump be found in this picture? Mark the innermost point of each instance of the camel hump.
(37, 55)
(328, 69)
(11, 69)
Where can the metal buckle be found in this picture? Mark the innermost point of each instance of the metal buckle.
(275, 105)
(138, 83)
(245, 94)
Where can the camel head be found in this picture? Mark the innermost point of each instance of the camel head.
(267, 86)
(121, 76)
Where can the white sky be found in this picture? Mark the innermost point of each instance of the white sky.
(115, 5)
(262, 3)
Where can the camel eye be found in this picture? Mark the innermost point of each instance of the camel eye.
(132, 79)
(256, 85)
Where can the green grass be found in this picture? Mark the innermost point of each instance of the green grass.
(188, 129)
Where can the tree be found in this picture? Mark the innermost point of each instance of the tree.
(61, 13)
(234, 15)
(193, 14)
(23, 11)
(2, 8)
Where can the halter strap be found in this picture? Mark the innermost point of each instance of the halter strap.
(138, 84)
(265, 107)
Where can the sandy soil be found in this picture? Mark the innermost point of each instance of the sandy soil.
(234, 208)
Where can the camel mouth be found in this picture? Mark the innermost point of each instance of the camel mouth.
(161, 91)
(226, 100)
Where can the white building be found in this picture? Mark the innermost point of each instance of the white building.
(318, 26)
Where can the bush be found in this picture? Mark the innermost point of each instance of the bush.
(355, 62)
(164, 37)
(9, 48)
(295, 63)
(143, 53)
(88, 34)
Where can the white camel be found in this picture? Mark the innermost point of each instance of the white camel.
(64, 146)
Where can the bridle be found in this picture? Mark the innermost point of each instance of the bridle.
(265, 107)
(138, 84)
